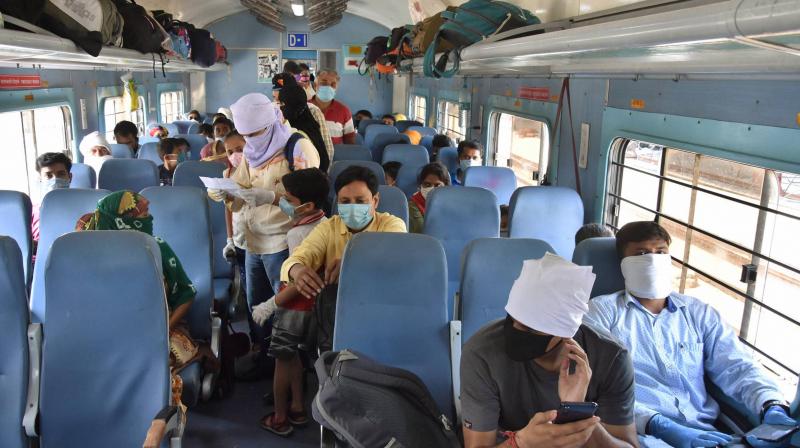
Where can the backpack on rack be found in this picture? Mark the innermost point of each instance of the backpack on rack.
(375, 49)
(178, 34)
(367, 404)
(27, 10)
(204, 47)
(424, 32)
(142, 32)
(472, 22)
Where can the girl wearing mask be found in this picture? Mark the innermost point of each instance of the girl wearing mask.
(95, 150)
(295, 109)
(259, 175)
(215, 150)
(433, 175)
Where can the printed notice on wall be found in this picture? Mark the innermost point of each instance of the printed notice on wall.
(267, 65)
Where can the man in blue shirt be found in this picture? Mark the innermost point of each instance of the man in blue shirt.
(675, 342)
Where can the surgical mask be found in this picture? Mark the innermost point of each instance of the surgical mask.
(219, 139)
(648, 276)
(97, 162)
(464, 164)
(183, 156)
(287, 207)
(51, 184)
(425, 191)
(236, 159)
(326, 93)
(523, 346)
(310, 92)
(355, 216)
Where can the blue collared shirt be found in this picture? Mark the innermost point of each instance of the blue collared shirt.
(672, 353)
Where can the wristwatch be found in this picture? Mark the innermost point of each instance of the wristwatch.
(770, 403)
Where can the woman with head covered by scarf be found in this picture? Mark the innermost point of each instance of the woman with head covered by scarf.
(295, 109)
(286, 80)
(259, 174)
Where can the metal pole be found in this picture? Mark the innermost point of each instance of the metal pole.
(689, 233)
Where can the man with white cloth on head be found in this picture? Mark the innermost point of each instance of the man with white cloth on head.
(515, 372)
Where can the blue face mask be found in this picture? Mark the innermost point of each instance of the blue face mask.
(182, 156)
(326, 93)
(355, 216)
(54, 183)
(286, 207)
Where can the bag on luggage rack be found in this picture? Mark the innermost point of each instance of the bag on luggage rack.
(424, 32)
(142, 32)
(28, 10)
(367, 404)
(204, 47)
(472, 22)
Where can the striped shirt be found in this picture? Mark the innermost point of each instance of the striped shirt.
(339, 121)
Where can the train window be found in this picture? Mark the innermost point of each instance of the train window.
(418, 108)
(114, 111)
(734, 228)
(452, 120)
(522, 144)
(171, 104)
(28, 134)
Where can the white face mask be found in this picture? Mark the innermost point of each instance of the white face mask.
(648, 276)
(425, 191)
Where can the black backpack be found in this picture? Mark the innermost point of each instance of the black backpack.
(288, 150)
(204, 47)
(367, 404)
(375, 49)
(142, 32)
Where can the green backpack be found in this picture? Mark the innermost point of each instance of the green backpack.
(472, 22)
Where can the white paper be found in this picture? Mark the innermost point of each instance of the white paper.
(222, 183)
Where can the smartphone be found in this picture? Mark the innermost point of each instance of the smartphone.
(773, 433)
(569, 412)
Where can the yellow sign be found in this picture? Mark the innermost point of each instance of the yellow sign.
(637, 103)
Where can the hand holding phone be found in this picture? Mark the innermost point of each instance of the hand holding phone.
(770, 435)
(569, 412)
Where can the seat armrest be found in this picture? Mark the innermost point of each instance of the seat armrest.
(169, 422)
(29, 420)
(216, 329)
(455, 366)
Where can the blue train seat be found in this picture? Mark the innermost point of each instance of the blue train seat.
(552, 214)
(381, 141)
(412, 312)
(403, 125)
(427, 142)
(83, 176)
(149, 151)
(392, 201)
(171, 128)
(456, 216)
(105, 370)
(14, 318)
(127, 174)
(351, 152)
(187, 126)
(196, 143)
(449, 158)
(181, 217)
(364, 124)
(58, 215)
(501, 180)
(413, 158)
(15, 208)
(601, 255)
(120, 151)
(424, 130)
(376, 129)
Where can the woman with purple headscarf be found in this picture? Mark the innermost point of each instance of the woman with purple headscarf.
(259, 175)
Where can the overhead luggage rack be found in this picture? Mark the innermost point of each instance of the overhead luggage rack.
(30, 50)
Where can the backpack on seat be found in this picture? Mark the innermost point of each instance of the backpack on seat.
(472, 22)
(367, 404)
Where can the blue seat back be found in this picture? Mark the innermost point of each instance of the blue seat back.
(182, 219)
(364, 124)
(58, 215)
(186, 126)
(127, 174)
(424, 130)
(105, 363)
(413, 158)
(402, 324)
(455, 216)
(15, 209)
(147, 139)
(120, 151)
(427, 142)
(338, 167)
(501, 180)
(601, 255)
(359, 139)
(196, 143)
(351, 152)
(171, 128)
(403, 125)
(381, 141)
(83, 176)
(449, 158)
(377, 129)
(188, 175)
(552, 214)
(488, 270)
(392, 201)
(149, 151)
(14, 319)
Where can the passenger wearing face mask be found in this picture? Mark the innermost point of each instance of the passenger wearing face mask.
(337, 115)
(676, 342)
(95, 150)
(432, 175)
(194, 115)
(516, 371)
(282, 80)
(54, 173)
(216, 150)
(259, 175)
(469, 154)
(171, 153)
(357, 200)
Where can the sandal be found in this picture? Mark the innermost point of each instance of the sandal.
(298, 418)
(268, 423)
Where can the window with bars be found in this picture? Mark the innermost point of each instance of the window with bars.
(418, 109)
(114, 111)
(171, 104)
(452, 120)
(27, 135)
(734, 228)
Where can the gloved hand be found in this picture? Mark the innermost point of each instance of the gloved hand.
(256, 197)
(263, 311)
(680, 436)
(217, 195)
(229, 251)
(775, 415)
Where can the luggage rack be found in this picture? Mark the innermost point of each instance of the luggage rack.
(19, 49)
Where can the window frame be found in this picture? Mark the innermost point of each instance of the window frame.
(492, 138)
(180, 103)
(169, 87)
(412, 108)
(126, 114)
(464, 108)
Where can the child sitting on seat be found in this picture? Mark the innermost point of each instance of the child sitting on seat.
(171, 152)
(390, 170)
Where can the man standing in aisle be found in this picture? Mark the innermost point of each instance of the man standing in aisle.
(337, 115)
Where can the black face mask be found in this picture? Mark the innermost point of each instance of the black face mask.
(523, 345)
